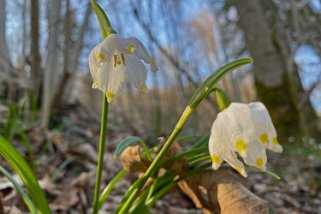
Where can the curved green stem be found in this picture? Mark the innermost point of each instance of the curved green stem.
(101, 150)
(202, 92)
(20, 190)
(140, 183)
(188, 111)
(109, 187)
(165, 189)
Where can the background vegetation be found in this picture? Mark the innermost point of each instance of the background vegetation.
(50, 113)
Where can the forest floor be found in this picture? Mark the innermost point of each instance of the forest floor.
(66, 160)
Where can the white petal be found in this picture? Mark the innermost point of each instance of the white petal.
(136, 71)
(230, 158)
(140, 51)
(236, 126)
(274, 145)
(255, 155)
(238, 117)
(111, 79)
(220, 144)
(113, 44)
(117, 79)
(261, 120)
(94, 67)
(270, 130)
(215, 149)
(247, 129)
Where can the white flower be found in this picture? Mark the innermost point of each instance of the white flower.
(246, 129)
(117, 61)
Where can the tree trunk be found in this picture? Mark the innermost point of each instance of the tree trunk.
(51, 60)
(34, 50)
(4, 54)
(5, 63)
(277, 80)
(71, 54)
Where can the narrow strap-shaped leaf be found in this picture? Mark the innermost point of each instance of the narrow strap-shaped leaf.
(104, 23)
(124, 143)
(20, 190)
(8, 152)
(209, 83)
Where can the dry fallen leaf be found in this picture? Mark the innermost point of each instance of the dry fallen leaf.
(132, 161)
(212, 191)
(67, 199)
(220, 192)
(15, 210)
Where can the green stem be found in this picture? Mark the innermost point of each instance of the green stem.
(109, 187)
(20, 190)
(199, 159)
(160, 193)
(101, 150)
(138, 186)
(203, 91)
(146, 150)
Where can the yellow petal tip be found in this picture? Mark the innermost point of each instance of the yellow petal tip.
(241, 171)
(215, 159)
(259, 162)
(109, 96)
(101, 56)
(94, 85)
(130, 48)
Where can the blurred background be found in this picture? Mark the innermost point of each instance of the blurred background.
(45, 82)
(44, 49)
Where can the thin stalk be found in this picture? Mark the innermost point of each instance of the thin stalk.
(147, 152)
(20, 190)
(109, 187)
(101, 150)
(165, 189)
(193, 152)
(203, 91)
(199, 159)
(138, 186)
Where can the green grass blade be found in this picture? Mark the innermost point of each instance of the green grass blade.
(209, 84)
(109, 187)
(9, 153)
(20, 190)
(128, 141)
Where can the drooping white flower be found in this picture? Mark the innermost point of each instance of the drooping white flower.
(117, 61)
(246, 129)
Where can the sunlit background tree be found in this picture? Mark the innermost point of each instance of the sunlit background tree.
(44, 48)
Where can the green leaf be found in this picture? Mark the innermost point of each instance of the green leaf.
(201, 142)
(166, 186)
(109, 187)
(199, 95)
(223, 101)
(126, 142)
(188, 154)
(20, 190)
(103, 20)
(159, 184)
(141, 208)
(209, 84)
(8, 152)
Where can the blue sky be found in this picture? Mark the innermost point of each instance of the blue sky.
(305, 56)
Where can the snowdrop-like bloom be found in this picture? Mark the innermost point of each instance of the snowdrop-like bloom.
(247, 130)
(117, 61)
